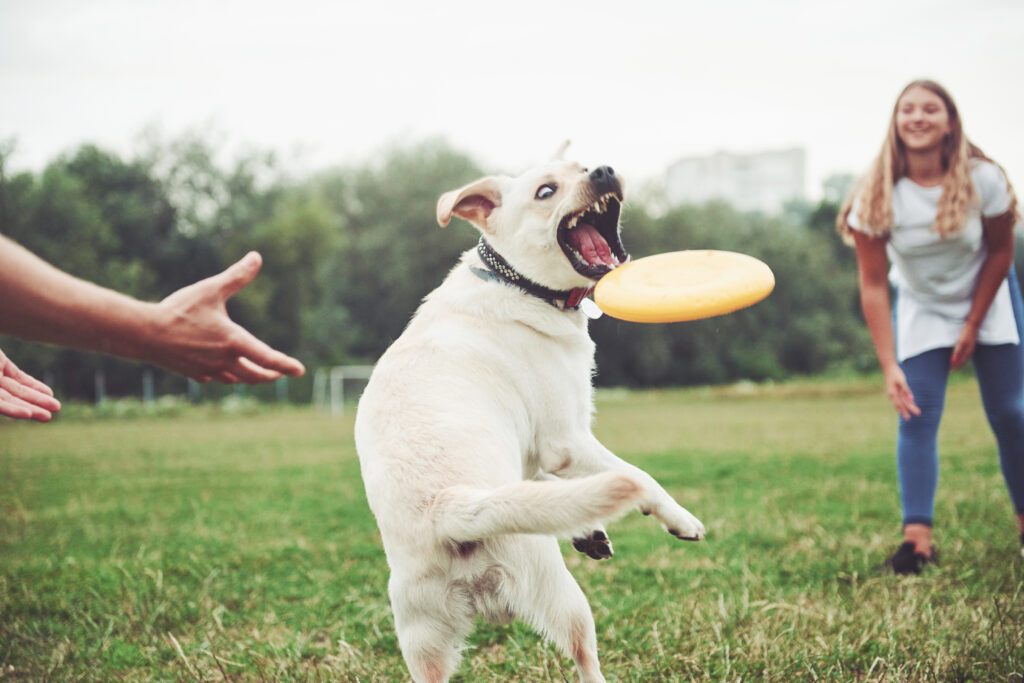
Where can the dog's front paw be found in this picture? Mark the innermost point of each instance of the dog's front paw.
(684, 526)
(596, 545)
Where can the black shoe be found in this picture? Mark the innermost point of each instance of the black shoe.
(906, 560)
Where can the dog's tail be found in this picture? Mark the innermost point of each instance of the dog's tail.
(556, 507)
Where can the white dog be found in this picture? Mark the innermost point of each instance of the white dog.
(474, 431)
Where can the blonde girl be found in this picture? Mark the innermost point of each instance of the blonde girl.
(933, 218)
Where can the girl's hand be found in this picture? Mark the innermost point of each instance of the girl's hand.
(899, 393)
(964, 348)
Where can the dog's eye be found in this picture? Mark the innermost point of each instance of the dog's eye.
(546, 190)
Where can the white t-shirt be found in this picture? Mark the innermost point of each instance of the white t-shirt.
(935, 277)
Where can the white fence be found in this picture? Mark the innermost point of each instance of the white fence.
(329, 385)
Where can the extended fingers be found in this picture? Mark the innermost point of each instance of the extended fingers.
(906, 409)
(903, 399)
(242, 370)
(22, 396)
(234, 369)
(905, 403)
(911, 404)
(899, 405)
(16, 408)
(14, 372)
(29, 394)
(250, 373)
(239, 274)
(961, 354)
(262, 356)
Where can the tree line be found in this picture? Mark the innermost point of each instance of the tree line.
(350, 252)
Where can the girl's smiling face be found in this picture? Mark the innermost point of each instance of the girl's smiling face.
(922, 120)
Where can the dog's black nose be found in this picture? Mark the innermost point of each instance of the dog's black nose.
(604, 180)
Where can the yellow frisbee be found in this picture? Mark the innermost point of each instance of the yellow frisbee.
(683, 285)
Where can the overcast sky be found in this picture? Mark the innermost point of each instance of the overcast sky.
(634, 84)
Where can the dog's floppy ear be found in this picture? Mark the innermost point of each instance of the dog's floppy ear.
(473, 203)
(560, 152)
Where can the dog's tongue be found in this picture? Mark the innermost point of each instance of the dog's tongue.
(586, 240)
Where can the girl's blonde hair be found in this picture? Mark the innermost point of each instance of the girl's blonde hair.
(874, 188)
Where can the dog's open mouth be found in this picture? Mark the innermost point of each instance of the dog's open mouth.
(590, 237)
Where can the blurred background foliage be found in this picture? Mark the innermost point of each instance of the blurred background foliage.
(350, 252)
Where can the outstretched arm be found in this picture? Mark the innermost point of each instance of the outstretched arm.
(998, 259)
(189, 332)
(873, 267)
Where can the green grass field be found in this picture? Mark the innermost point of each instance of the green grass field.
(207, 546)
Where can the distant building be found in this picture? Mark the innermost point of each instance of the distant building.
(751, 182)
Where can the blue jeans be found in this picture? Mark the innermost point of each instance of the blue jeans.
(1000, 373)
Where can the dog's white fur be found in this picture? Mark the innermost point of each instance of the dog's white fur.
(474, 437)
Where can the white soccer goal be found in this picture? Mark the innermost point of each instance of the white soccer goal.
(329, 385)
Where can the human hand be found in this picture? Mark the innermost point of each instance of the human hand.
(899, 393)
(964, 348)
(194, 336)
(23, 396)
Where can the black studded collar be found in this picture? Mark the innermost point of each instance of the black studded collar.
(501, 270)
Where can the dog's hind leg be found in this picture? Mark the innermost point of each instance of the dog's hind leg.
(431, 629)
(550, 600)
